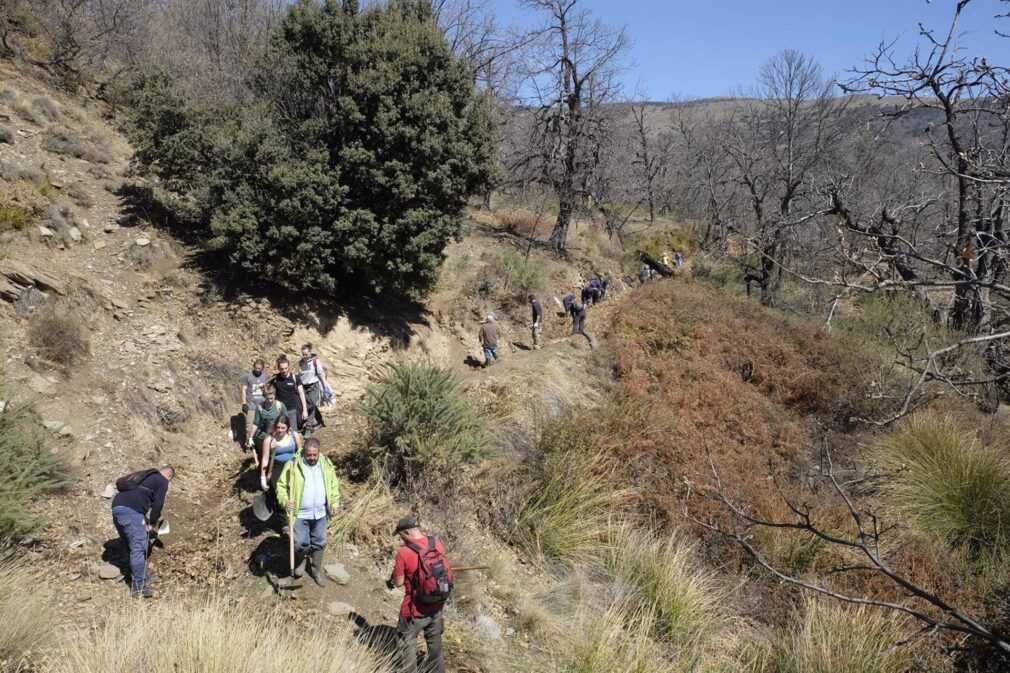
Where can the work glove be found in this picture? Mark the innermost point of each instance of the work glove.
(249, 442)
(263, 483)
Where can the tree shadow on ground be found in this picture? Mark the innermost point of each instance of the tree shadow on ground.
(384, 317)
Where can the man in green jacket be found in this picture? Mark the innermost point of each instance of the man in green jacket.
(307, 489)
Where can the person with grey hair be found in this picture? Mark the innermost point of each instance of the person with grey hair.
(136, 512)
(488, 335)
(307, 489)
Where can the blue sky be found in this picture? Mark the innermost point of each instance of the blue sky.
(699, 48)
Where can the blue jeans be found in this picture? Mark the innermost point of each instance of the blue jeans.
(310, 534)
(132, 527)
(490, 354)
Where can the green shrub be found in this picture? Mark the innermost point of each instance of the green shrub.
(666, 580)
(948, 484)
(834, 639)
(28, 470)
(516, 276)
(14, 218)
(364, 187)
(26, 630)
(58, 336)
(421, 420)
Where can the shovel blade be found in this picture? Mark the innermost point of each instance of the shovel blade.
(261, 508)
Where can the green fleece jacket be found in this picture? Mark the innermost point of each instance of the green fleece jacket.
(285, 485)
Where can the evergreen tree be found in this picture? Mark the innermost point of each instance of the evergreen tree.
(352, 167)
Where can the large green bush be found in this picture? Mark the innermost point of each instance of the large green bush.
(421, 421)
(351, 166)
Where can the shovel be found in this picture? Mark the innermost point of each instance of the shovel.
(164, 528)
(261, 503)
(291, 528)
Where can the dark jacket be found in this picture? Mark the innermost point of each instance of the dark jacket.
(538, 311)
(488, 335)
(150, 495)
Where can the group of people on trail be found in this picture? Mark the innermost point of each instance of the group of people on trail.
(281, 412)
(575, 306)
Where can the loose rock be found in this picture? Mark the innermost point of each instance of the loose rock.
(46, 232)
(107, 571)
(487, 628)
(337, 573)
(75, 234)
(338, 609)
(143, 242)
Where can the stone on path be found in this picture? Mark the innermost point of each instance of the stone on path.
(487, 628)
(46, 232)
(337, 573)
(99, 245)
(41, 384)
(75, 234)
(338, 609)
(143, 242)
(107, 571)
(53, 426)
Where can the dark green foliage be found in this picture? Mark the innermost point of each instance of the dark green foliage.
(28, 470)
(353, 164)
(420, 420)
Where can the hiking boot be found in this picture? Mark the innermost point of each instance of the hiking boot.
(146, 592)
(316, 569)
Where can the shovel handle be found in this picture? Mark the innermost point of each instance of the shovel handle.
(461, 568)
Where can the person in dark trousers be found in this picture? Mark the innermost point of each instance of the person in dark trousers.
(604, 286)
(414, 616)
(291, 393)
(566, 301)
(488, 337)
(136, 513)
(595, 291)
(578, 311)
(538, 321)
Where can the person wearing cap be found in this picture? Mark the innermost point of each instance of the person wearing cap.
(416, 617)
(488, 336)
(315, 497)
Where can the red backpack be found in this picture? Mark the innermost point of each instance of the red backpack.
(433, 580)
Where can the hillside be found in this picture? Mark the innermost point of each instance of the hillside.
(131, 346)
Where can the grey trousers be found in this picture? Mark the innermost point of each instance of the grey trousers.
(408, 628)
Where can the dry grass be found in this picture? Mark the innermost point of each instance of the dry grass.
(666, 579)
(567, 516)
(215, 638)
(26, 630)
(524, 223)
(62, 141)
(949, 484)
(611, 641)
(829, 638)
(366, 513)
(58, 336)
(6, 134)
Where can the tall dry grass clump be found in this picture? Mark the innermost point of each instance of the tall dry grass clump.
(830, 638)
(567, 516)
(609, 641)
(664, 578)
(26, 629)
(59, 336)
(949, 484)
(215, 638)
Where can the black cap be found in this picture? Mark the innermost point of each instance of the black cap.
(406, 523)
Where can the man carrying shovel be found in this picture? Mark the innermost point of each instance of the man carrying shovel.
(307, 490)
(136, 512)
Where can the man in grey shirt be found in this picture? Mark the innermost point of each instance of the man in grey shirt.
(251, 391)
(313, 376)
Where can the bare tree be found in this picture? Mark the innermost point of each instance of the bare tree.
(650, 157)
(864, 539)
(572, 74)
(778, 142)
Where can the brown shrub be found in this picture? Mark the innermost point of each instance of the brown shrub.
(58, 336)
(524, 223)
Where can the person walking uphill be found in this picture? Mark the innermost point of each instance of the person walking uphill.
(136, 511)
(314, 498)
(426, 577)
(488, 336)
(538, 321)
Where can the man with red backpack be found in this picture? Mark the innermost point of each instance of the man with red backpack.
(423, 571)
